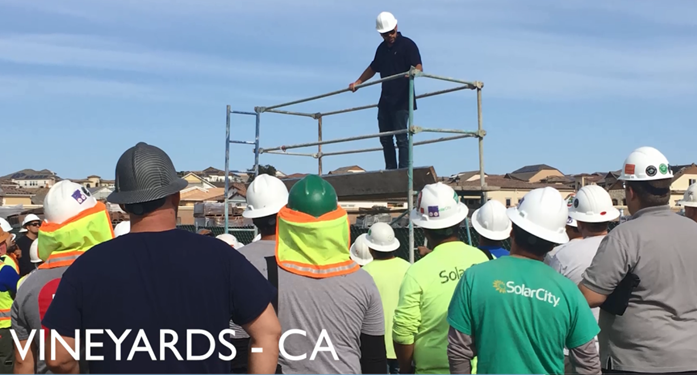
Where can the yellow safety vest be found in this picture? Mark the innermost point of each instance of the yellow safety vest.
(6, 299)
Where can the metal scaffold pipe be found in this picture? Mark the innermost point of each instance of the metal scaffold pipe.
(442, 139)
(357, 138)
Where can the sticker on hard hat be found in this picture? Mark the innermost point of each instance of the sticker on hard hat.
(663, 168)
(79, 196)
(576, 203)
(650, 171)
(629, 169)
(569, 220)
(433, 211)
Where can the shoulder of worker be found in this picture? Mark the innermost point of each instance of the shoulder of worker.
(258, 249)
(408, 40)
(35, 280)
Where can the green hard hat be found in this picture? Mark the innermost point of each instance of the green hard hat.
(312, 195)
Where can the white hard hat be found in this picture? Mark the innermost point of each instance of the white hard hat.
(593, 204)
(360, 252)
(65, 200)
(385, 22)
(34, 252)
(266, 196)
(570, 221)
(543, 213)
(438, 206)
(491, 221)
(380, 237)
(5, 225)
(122, 228)
(28, 219)
(230, 240)
(646, 164)
(690, 197)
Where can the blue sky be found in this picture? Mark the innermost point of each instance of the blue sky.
(573, 84)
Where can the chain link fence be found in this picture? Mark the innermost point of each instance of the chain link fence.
(467, 235)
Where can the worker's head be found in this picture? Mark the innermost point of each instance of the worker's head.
(312, 195)
(491, 223)
(360, 252)
(382, 242)
(593, 211)
(31, 224)
(647, 178)
(266, 195)
(572, 229)
(386, 25)
(539, 222)
(439, 212)
(689, 201)
(230, 240)
(147, 185)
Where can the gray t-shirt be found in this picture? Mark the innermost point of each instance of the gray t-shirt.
(345, 306)
(658, 331)
(255, 251)
(25, 309)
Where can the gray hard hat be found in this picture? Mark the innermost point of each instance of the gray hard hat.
(145, 173)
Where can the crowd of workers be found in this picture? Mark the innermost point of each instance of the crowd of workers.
(569, 297)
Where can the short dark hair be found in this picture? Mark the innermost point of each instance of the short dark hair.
(596, 227)
(380, 255)
(442, 234)
(652, 193)
(140, 209)
(266, 225)
(531, 243)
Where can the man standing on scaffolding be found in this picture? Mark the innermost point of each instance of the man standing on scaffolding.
(396, 54)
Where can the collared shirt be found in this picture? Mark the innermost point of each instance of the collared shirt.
(391, 60)
(657, 331)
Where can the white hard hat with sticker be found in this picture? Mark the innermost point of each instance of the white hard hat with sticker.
(360, 251)
(438, 207)
(65, 200)
(593, 204)
(646, 164)
(230, 240)
(543, 213)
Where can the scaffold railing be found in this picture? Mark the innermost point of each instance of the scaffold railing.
(412, 129)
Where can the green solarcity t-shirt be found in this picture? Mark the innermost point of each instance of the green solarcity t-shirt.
(521, 313)
(388, 275)
(424, 297)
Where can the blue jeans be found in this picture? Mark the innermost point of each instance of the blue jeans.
(390, 120)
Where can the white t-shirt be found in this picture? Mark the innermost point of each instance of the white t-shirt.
(572, 259)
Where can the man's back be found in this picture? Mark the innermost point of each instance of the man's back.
(172, 280)
(426, 291)
(522, 314)
(345, 306)
(657, 331)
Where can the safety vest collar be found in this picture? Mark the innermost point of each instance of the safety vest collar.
(61, 244)
(314, 247)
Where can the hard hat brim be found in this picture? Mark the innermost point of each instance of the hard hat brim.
(612, 214)
(383, 248)
(423, 221)
(536, 230)
(490, 234)
(687, 203)
(262, 212)
(23, 230)
(147, 195)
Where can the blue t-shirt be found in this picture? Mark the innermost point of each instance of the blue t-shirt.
(496, 251)
(8, 278)
(173, 280)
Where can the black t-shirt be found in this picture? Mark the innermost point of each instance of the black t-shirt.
(25, 265)
(173, 280)
(391, 60)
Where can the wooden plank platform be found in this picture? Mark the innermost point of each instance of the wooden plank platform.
(376, 185)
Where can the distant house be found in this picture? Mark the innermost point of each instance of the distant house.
(534, 173)
(13, 195)
(100, 193)
(685, 176)
(29, 178)
(467, 176)
(350, 169)
(211, 174)
(195, 180)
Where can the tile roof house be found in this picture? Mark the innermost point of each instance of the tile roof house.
(534, 173)
(12, 195)
(349, 169)
(31, 178)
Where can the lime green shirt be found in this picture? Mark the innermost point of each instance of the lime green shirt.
(521, 313)
(421, 314)
(388, 275)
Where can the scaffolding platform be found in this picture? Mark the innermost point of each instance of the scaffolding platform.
(376, 185)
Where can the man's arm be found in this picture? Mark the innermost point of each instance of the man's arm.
(407, 318)
(23, 364)
(373, 351)
(264, 332)
(367, 74)
(585, 359)
(8, 278)
(63, 362)
(610, 265)
(461, 351)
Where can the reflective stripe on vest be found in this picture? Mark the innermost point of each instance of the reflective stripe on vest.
(5, 306)
(61, 259)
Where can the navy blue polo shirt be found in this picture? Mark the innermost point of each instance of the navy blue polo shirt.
(391, 60)
(173, 280)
